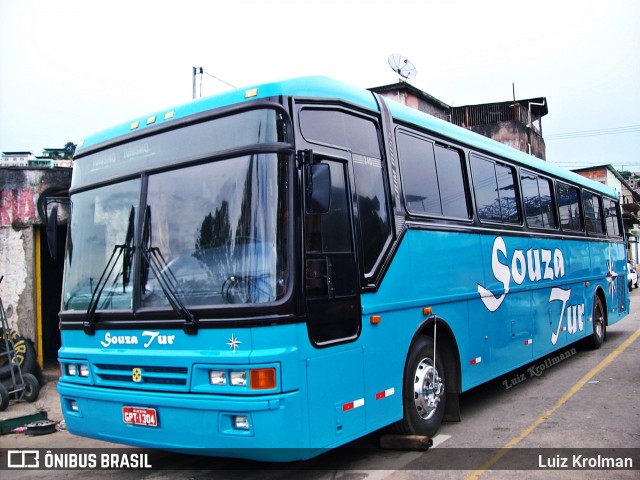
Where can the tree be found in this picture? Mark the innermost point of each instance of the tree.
(69, 150)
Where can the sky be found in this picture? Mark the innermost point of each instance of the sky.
(69, 68)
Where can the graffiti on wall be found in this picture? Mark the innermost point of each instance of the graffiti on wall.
(17, 206)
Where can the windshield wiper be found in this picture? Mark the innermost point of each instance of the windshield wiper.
(166, 279)
(118, 251)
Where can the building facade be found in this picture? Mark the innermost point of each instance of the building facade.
(32, 283)
(629, 200)
(15, 159)
(514, 123)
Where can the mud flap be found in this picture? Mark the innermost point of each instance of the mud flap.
(452, 409)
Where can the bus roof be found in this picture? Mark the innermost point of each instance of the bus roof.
(330, 89)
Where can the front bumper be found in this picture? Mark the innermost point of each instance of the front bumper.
(201, 424)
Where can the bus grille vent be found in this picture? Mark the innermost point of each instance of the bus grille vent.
(150, 377)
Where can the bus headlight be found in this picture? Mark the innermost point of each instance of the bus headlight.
(217, 377)
(238, 378)
(235, 379)
(75, 370)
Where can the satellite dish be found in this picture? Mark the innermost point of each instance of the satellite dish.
(402, 66)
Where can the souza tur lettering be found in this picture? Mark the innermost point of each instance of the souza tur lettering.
(538, 264)
(149, 336)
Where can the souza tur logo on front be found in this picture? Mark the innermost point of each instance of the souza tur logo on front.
(148, 337)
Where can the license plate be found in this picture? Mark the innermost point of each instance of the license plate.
(146, 417)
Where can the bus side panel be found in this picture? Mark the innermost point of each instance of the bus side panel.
(387, 341)
(568, 300)
(387, 344)
(616, 289)
(424, 273)
(336, 397)
(476, 362)
(511, 323)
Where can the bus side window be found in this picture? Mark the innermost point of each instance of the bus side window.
(592, 213)
(538, 205)
(348, 131)
(418, 167)
(612, 220)
(495, 191)
(432, 177)
(453, 191)
(569, 207)
(375, 225)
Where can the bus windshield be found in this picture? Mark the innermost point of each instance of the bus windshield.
(216, 233)
(101, 222)
(211, 233)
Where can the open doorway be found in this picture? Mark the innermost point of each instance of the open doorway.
(51, 273)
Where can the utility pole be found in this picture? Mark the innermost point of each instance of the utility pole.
(195, 72)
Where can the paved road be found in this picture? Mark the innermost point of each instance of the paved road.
(588, 400)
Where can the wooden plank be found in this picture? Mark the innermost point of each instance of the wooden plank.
(405, 442)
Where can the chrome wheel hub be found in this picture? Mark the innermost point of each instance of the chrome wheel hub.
(427, 389)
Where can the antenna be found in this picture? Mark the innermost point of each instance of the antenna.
(402, 66)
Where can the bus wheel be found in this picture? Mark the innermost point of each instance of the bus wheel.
(424, 392)
(599, 324)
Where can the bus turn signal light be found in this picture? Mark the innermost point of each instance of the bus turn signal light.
(263, 379)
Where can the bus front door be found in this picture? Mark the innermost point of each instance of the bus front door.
(335, 370)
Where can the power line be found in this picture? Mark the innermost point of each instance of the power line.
(219, 79)
(593, 133)
(200, 70)
(620, 166)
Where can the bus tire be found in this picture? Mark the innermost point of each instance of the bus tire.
(24, 355)
(423, 400)
(596, 339)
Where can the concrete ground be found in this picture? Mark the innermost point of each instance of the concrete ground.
(48, 401)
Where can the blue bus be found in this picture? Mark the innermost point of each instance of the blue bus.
(279, 270)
